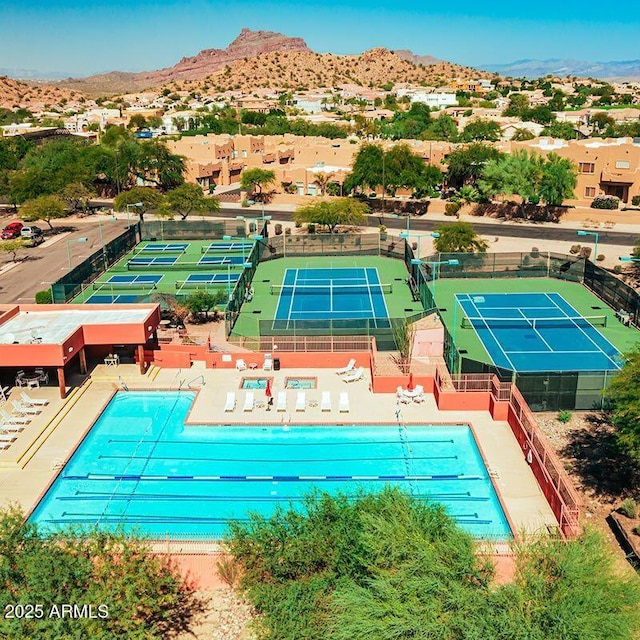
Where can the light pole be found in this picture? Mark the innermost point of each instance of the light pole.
(628, 259)
(135, 204)
(597, 236)
(254, 220)
(69, 248)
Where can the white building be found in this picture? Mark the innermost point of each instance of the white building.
(435, 100)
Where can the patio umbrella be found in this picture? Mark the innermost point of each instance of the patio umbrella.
(267, 390)
(410, 385)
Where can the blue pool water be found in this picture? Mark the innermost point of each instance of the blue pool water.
(141, 468)
(254, 383)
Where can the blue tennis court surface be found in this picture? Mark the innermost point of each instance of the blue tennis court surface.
(228, 246)
(165, 248)
(212, 278)
(159, 261)
(102, 298)
(529, 332)
(331, 294)
(222, 260)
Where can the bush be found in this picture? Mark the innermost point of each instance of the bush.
(617, 268)
(298, 224)
(600, 257)
(278, 229)
(311, 227)
(535, 252)
(635, 201)
(287, 231)
(44, 297)
(564, 416)
(605, 202)
(636, 530)
(585, 252)
(575, 249)
(629, 508)
(451, 208)
(245, 203)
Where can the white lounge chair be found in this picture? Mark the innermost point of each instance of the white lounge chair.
(325, 403)
(343, 405)
(8, 419)
(401, 396)
(355, 376)
(230, 404)
(7, 439)
(241, 365)
(249, 401)
(419, 397)
(7, 429)
(24, 409)
(267, 365)
(348, 369)
(281, 404)
(36, 402)
(301, 401)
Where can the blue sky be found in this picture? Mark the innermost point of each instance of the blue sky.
(90, 36)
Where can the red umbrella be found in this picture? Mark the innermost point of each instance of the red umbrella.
(410, 385)
(268, 389)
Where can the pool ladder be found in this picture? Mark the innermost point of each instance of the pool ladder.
(196, 378)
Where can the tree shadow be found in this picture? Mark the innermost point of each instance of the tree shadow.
(598, 460)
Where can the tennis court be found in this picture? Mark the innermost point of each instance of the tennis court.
(244, 246)
(529, 332)
(328, 294)
(237, 261)
(159, 247)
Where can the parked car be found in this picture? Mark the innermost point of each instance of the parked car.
(11, 231)
(32, 235)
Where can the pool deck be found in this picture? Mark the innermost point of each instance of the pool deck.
(23, 480)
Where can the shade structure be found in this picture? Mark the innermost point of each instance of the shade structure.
(267, 390)
(410, 385)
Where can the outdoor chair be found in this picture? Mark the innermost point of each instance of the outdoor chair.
(325, 403)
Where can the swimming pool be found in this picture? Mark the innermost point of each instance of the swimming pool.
(141, 468)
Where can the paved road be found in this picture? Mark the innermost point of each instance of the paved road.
(499, 229)
(48, 262)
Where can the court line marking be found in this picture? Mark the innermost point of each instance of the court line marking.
(606, 355)
(368, 285)
(469, 298)
(535, 330)
(293, 290)
(384, 300)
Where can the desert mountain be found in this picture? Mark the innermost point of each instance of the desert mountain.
(209, 61)
(616, 70)
(409, 56)
(34, 97)
(268, 59)
(307, 70)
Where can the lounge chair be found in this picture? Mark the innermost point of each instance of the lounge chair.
(7, 439)
(230, 404)
(355, 376)
(241, 365)
(24, 409)
(419, 397)
(249, 401)
(401, 396)
(7, 429)
(348, 369)
(325, 403)
(8, 419)
(267, 365)
(281, 404)
(343, 405)
(301, 401)
(36, 402)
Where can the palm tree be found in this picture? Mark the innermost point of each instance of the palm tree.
(322, 179)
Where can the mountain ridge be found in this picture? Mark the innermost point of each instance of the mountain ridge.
(563, 67)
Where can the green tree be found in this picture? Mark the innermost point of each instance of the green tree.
(12, 247)
(518, 105)
(341, 211)
(458, 237)
(541, 114)
(366, 170)
(442, 128)
(624, 394)
(562, 130)
(202, 301)
(559, 179)
(45, 208)
(77, 196)
(256, 181)
(150, 199)
(404, 169)
(481, 130)
(465, 164)
(137, 121)
(187, 199)
(601, 121)
(520, 135)
(153, 163)
(142, 594)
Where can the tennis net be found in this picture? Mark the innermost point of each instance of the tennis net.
(330, 289)
(567, 322)
(124, 286)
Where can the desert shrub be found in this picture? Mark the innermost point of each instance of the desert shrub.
(605, 202)
(585, 252)
(535, 252)
(635, 201)
(600, 257)
(617, 268)
(44, 297)
(287, 231)
(629, 508)
(636, 530)
(451, 208)
(245, 203)
(278, 229)
(575, 249)
(229, 571)
(311, 227)
(564, 416)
